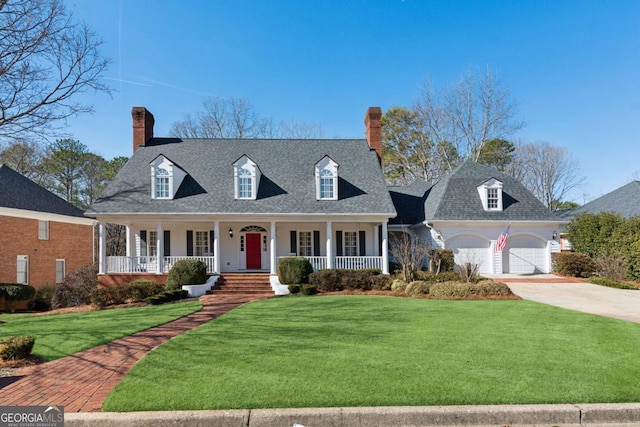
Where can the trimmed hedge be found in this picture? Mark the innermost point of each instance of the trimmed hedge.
(136, 291)
(14, 292)
(15, 348)
(42, 299)
(294, 289)
(339, 280)
(447, 276)
(574, 264)
(417, 288)
(294, 270)
(399, 285)
(603, 281)
(307, 289)
(461, 291)
(187, 272)
(168, 296)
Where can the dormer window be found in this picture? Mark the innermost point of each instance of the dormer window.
(247, 179)
(166, 178)
(327, 179)
(491, 195)
(162, 183)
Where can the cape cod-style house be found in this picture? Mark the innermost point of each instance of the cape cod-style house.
(241, 204)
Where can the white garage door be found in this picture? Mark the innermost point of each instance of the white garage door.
(471, 249)
(525, 255)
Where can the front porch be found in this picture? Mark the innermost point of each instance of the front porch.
(145, 265)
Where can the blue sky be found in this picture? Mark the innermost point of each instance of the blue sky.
(572, 66)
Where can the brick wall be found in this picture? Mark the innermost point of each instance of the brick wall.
(19, 236)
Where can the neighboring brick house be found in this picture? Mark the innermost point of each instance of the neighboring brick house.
(42, 237)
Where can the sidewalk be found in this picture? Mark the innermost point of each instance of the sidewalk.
(82, 381)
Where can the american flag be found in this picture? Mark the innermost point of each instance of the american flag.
(502, 240)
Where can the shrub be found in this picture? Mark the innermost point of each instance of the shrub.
(573, 264)
(294, 289)
(326, 280)
(140, 290)
(15, 348)
(417, 288)
(381, 282)
(307, 289)
(458, 290)
(612, 266)
(603, 281)
(14, 292)
(42, 299)
(441, 260)
(76, 288)
(169, 295)
(103, 297)
(341, 279)
(447, 276)
(468, 271)
(187, 272)
(293, 270)
(399, 285)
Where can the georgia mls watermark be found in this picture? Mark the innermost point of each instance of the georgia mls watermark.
(31, 416)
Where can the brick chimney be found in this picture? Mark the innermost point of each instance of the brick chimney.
(372, 123)
(142, 126)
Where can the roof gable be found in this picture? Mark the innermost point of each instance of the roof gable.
(19, 192)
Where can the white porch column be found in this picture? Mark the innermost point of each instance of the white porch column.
(216, 246)
(376, 239)
(272, 249)
(160, 248)
(329, 246)
(385, 249)
(102, 235)
(127, 241)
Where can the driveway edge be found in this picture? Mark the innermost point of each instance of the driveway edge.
(417, 416)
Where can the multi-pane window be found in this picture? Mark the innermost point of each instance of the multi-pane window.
(153, 243)
(162, 183)
(60, 267)
(305, 245)
(22, 268)
(327, 180)
(43, 230)
(244, 184)
(202, 243)
(492, 198)
(350, 243)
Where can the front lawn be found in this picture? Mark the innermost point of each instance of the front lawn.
(60, 335)
(332, 351)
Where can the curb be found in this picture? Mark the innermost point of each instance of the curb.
(601, 414)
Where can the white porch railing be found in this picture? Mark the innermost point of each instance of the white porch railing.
(149, 264)
(345, 262)
(358, 262)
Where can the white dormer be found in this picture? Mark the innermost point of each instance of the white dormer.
(246, 177)
(491, 195)
(326, 179)
(166, 178)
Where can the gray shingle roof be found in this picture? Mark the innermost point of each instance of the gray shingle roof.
(409, 202)
(19, 192)
(455, 197)
(624, 200)
(287, 184)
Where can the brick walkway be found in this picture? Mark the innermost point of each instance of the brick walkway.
(82, 381)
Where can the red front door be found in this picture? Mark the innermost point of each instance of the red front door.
(253, 251)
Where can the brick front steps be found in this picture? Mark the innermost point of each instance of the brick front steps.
(242, 284)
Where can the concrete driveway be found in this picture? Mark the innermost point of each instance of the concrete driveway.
(601, 300)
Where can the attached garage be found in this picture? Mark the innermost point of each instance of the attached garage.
(474, 249)
(525, 255)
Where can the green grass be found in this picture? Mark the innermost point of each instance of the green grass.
(375, 351)
(59, 335)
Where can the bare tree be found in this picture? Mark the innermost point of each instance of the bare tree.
(237, 118)
(549, 172)
(24, 157)
(410, 251)
(467, 114)
(46, 58)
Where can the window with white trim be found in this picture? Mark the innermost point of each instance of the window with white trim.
(492, 198)
(162, 183)
(22, 269)
(350, 241)
(245, 184)
(326, 179)
(305, 243)
(43, 230)
(202, 243)
(60, 270)
(153, 243)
